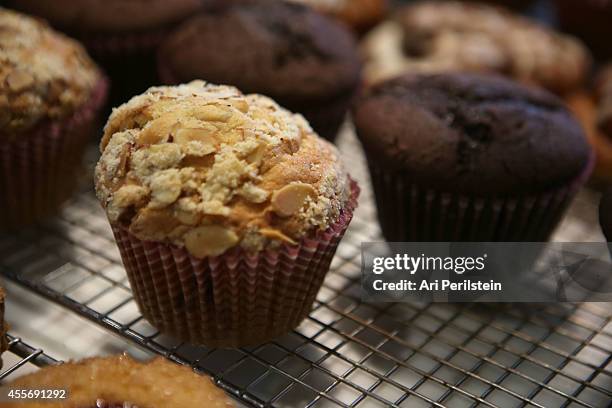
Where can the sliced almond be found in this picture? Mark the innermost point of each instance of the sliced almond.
(151, 224)
(291, 198)
(19, 80)
(213, 113)
(240, 104)
(129, 195)
(156, 131)
(276, 235)
(209, 240)
(202, 135)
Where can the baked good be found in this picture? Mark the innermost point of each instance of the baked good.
(226, 208)
(358, 14)
(306, 62)
(594, 110)
(3, 326)
(122, 35)
(120, 381)
(432, 37)
(465, 157)
(590, 21)
(50, 91)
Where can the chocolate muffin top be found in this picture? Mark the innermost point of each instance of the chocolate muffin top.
(112, 381)
(605, 214)
(208, 168)
(109, 15)
(283, 50)
(473, 134)
(43, 74)
(440, 36)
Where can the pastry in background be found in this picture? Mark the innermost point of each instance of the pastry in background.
(430, 37)
(120, 381)
(463, 157)
(3, 325)
(307, 62)
(227, 210)
(590, 20)
(50, 92)
(121, 35)
(594, 110)
(357, 14)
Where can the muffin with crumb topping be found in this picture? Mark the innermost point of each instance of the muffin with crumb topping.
(94, 383)
(50, 91)
(227, 210)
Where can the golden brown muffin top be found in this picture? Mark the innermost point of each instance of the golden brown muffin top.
(120, 379)
(207, 167)
(43, 74)
(458, 36)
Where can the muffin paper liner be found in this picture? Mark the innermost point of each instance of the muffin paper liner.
(235, 299)
(39, 169)
(409, 212)
(325, 117)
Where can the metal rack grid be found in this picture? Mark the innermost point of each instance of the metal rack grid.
(23, 354)
(346, 353)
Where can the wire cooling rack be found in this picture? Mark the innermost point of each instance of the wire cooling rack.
(20, 355)
(346, 353)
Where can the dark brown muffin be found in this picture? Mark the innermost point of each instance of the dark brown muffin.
(122, 35)
(303, 60)
(468, 157)
(589, 20)
(120, 381)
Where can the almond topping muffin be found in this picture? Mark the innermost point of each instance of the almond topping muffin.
(43, 74)
(207, 168)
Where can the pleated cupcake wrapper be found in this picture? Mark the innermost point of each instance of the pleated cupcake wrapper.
(410, 212)
(325, 117)
(39, 168)
(237, 298)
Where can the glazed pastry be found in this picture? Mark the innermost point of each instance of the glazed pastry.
(122, 35)
(462, 157)
(306, 62)
(120, 381)
(430, 37)
(50, 92)
(234, 200)
(358, 14)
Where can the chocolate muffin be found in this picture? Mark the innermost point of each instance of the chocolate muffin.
(122, 35)
(442, 36)
(227, 210)
(462, 157)
(590, 21)
(308, 63)
(120, 381)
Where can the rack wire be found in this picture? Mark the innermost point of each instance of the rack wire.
(22, 354)
(347, 353)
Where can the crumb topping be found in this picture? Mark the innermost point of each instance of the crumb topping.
(450, 36)
(208, 168)
(43, 74)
